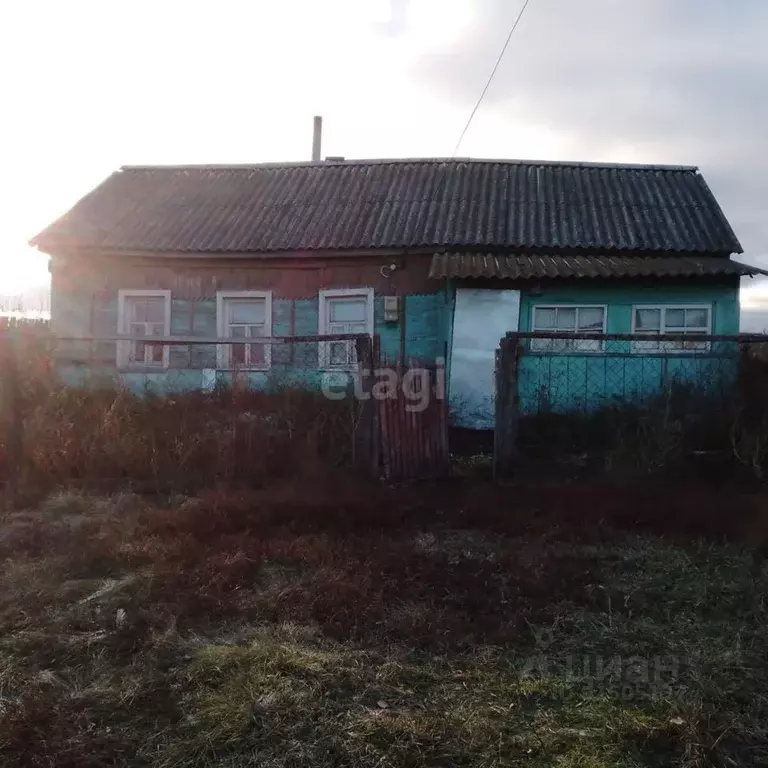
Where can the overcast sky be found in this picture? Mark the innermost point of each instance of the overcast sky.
(89, 86)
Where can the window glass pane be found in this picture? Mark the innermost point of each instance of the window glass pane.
(566, 319)
(237, 331)
(136, 354)
(156, 329)
(337, 328)
(543, 319)
(696, 318)
(338, 352)
(156, 353)
(256, 330)
(247, 312)
(238, 354)
(350, 310)
(357, 328)
(156, 310)
(138, 310)
(674, 318)
(150, 310)
(136, 329)
(591, 319)
(647, 320)
(257, 353)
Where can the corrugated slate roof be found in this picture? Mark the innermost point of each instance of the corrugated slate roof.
(397, 204)
(538, 266)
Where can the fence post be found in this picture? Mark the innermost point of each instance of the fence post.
(11, 416)
(366, 442)
(505, 449)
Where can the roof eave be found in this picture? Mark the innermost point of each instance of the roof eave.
(519, 266)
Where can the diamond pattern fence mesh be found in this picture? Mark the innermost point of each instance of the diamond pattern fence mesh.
(594, 395)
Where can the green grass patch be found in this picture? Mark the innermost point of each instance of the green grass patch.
(276, 630)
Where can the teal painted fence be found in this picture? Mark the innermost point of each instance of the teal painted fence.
(567, 383)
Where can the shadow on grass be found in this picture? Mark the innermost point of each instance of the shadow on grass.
(456, 626)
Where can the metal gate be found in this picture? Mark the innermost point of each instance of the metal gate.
(413, 427)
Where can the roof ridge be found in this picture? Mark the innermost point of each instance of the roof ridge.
(412, 161)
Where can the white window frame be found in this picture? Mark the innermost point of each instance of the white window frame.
(224, 351)
(575, 350)
(123, 323)
(639, 347)
(340, 293)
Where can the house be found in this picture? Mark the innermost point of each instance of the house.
(438, 257)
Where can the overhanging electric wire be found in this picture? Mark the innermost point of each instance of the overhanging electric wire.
(490, 79)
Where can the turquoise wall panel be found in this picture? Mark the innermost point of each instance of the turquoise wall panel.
(305, 321)
(389, 333)
(620, 298)
(426, 324)
(204, 318)
(87, 376)
(282, 321)
(306, 317)
(585, 381)
(282, 310)
(181, 317)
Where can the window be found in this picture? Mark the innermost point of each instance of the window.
(694, 320)
(344, 312)
(244, 315)
(145, 314)
(566, 319)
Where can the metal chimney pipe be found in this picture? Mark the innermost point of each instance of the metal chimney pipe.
(317, 137)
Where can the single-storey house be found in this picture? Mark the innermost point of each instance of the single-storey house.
(438, 257)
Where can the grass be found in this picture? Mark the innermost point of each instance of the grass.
(107, 439)
(350, 626)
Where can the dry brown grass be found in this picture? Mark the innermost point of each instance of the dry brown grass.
(351, 626)
(111, 439)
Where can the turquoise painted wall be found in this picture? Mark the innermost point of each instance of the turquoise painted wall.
(552, 381)
(620, 299)
(427, 327)
(585, 381)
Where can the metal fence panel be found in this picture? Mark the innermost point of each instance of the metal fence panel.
(585, 375)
